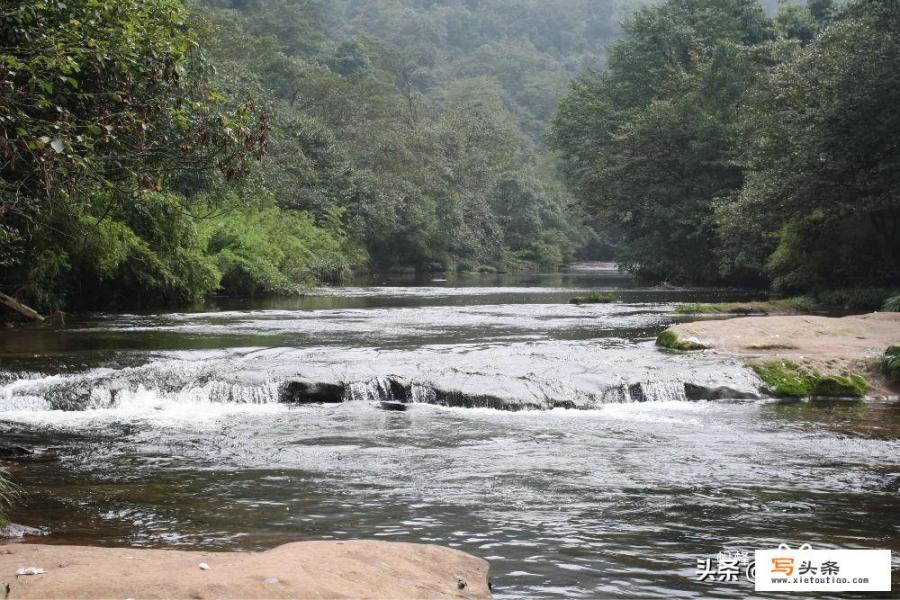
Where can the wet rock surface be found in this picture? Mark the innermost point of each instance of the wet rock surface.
(13, 531)
(828, 346)
(539, 375)
(301, 392)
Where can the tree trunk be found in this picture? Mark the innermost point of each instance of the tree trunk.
(20, 308)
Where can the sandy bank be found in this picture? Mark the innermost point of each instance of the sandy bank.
(351, 569)
(828, 345)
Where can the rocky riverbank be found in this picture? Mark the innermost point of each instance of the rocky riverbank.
(829, 347)
(326, 569)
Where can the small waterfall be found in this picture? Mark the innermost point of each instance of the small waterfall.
(129, 389)
(649, 391)
(395, 391)
(379, 389)
(180, 386)
(422, 394)
(663, 391)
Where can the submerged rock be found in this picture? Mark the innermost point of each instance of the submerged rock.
(392, 406)
(9, 452)
(13, 531)
(301, 392)
(22, 454)
(699, 392)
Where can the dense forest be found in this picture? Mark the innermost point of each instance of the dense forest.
(722, 145)
(156, 152)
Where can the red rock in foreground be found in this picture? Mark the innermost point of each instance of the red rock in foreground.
(327, 569)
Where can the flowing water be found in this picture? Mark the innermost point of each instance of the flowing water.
(554, 440)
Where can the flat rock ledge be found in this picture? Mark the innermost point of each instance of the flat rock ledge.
(827, 344)
(320, 569)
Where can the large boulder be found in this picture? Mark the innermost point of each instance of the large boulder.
(326, 569)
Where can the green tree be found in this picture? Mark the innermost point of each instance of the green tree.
(648, 143)
(823, 188)
(102, 100)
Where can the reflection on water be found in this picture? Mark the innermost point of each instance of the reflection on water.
(619, 501)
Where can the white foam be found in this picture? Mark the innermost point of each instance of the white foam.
(98, 396)
(143, 406)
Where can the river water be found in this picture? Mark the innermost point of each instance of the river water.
(554, 440)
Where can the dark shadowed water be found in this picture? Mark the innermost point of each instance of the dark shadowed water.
(170, 432)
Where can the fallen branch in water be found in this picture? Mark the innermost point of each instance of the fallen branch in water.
(20, 308)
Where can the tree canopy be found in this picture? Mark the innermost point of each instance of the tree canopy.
(155, 153)
(720, 144)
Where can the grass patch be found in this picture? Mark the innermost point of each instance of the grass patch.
(717, 309)
(594, 298)
(890, 364)
(855, 299)
(670, 339)
(783, 305)
(9, 492)
(771, 347)
(788, 379)
(892, 304)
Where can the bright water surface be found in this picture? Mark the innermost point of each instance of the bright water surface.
(173, 436)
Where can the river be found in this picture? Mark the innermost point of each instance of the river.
(554, 440)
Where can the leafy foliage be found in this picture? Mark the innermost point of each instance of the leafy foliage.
(890, 363)
(647, 143)
(719, 136)
(109, 95)
(154, 154)
(819, 163)
(9, 492)
(103, 107)
(269, 250)
(432, 166)
(892, 304)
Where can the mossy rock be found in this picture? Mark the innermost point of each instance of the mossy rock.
(853, 386)
(785, 378)
(783, 305)
(890, 364)
(670, 339)
(594, 298)
(719, 309)
(788, 379)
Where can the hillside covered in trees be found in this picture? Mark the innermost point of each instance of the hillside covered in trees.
(722, 145)
(155, 153)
